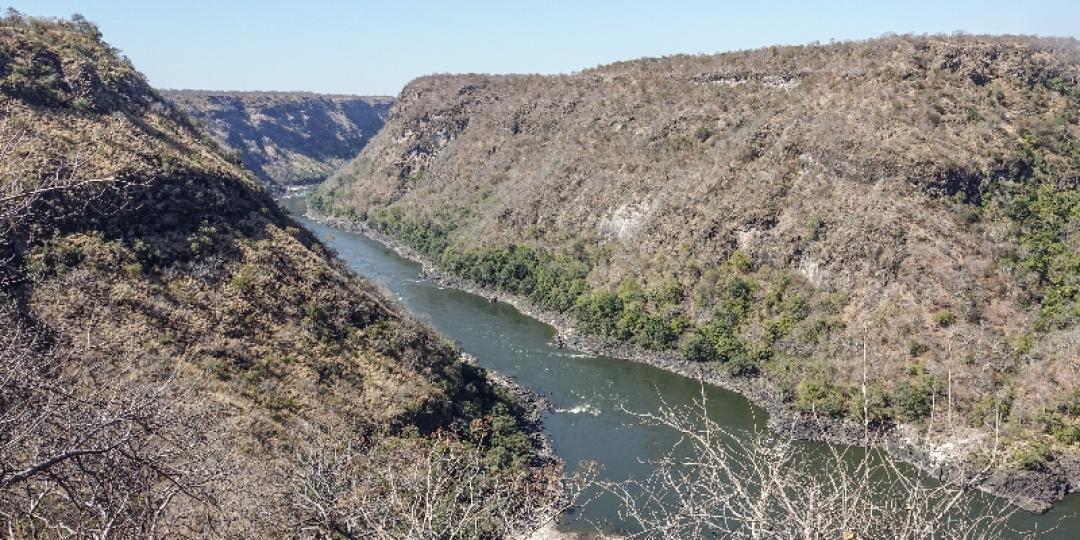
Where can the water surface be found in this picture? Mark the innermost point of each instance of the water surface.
(592, 395)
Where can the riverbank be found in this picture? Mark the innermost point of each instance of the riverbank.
(545, 462)
(1032, 491)
(533, 407)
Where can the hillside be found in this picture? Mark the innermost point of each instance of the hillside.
(903, 211)
(286, 138)
(178, 358)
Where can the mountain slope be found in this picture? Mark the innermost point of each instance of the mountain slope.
(286, 138)
(778, 213)
(179, 358)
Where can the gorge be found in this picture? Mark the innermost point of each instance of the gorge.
(829, 288)
(593, 398)
(287, 139)
(883, 232)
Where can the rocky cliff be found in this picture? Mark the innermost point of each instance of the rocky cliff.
(286, 138)
(885, 230)
(179, 358)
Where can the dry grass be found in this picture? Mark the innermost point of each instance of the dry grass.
(133, 247)
(874, 169)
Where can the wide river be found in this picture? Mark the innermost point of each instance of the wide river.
(592, 396)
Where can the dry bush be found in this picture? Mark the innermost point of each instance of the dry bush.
(88, 452)
(171, 339)
(868, 181)
(412, 488)
(720, 484)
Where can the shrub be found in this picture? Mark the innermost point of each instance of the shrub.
(149, 257)
(243, 278)
(80, 104)
(631, 293)
(202, 239)
(599, 312)
(817, 328)
(655, 332)
(669, 293)
(916, 348)
(969, 358)
(424, 236)
(877, 406)
(818, 395)
(553, 282)
(796, 307)
(738, 262)
(913, 398)
(815, 228)
(1071, 404)
(983, 411)
(697, 347)
(943, 318)
(133, 269)
(1042, 216)
(1034, 457)
(509, 445)
(630, 323)
(1068, 434)
(1061, 419)
(742, 366)
(774, 297)
(774, 330)
(735, 302)
(912, 401)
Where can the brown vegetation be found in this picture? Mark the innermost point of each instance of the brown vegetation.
(176, 354)
(774, 212)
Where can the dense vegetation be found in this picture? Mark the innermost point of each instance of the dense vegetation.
(1041, 206)
(286, 138)
(654, 319)
(171, 343)
(779, 213)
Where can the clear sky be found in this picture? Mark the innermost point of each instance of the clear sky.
(364, 47)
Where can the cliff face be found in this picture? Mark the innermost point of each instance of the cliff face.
(773, 212)
(178, 357)
(286, 138)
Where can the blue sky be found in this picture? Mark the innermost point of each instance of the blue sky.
(363, 47)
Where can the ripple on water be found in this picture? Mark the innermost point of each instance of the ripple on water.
(584, 408)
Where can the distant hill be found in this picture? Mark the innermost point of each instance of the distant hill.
(180, 358)
(286, 138)
(775, 213)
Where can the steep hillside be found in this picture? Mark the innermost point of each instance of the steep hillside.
(179, 358)
(286, 138)
(904, 210)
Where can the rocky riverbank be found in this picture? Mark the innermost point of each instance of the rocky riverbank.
(1034, 491)
(545, 463)
(533, 407)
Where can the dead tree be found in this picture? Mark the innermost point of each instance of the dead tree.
(411, 489)
(33, 191)
(89, 451)
(720, 484)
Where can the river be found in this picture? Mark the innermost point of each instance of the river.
(593, 397)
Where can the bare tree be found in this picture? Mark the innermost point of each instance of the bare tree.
(62, 179)
(89, 451)
(414, 489)
(716, 483)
